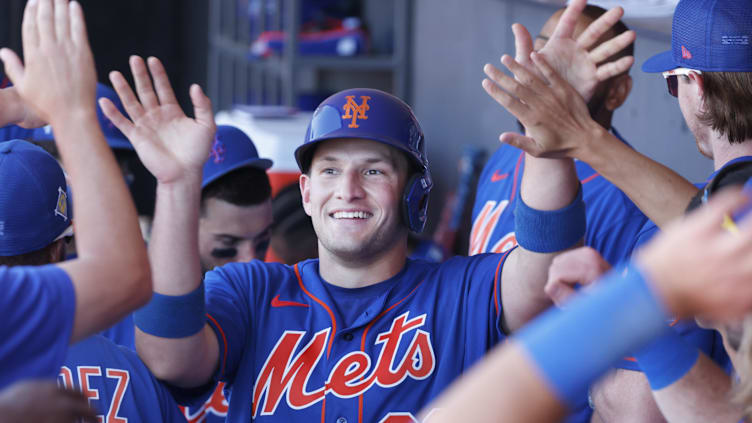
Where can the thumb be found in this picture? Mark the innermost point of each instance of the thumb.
(13, 66)
(527, 144)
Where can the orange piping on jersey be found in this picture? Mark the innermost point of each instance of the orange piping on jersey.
(363, 342)
(516, 173)
(224, 341)
(496, 281)
(323, 408)
(590, 178)
(326, 307)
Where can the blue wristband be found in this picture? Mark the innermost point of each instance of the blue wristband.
(667, 359)
(173, 316)
(548, 231)
(573, 347)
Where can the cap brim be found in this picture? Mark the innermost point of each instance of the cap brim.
(661, 62)
(259, 163)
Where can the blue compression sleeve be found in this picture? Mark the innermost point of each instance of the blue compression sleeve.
(666, 359)
(173, 316)
(548, 231)
(573, 347)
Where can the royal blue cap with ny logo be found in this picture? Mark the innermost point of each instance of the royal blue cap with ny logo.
(232, 149)
(35, 208)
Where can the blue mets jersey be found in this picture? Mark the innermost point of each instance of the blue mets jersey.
(614, 223)
(117, 383)
(38, 307)
(287, 353)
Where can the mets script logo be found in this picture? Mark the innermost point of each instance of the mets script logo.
(288, 369)
(218, 151)
(484, 226)
(354, 111)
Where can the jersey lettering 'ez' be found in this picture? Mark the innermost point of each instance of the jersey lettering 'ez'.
(84, 373)
(284, 375)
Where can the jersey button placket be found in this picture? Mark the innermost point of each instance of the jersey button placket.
(347, 336)
(341, 420)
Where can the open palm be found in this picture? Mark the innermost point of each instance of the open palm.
(579, 61)
(170, 144)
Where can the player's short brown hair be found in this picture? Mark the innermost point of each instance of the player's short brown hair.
(727, 104)
(38, 257)
(247, 186)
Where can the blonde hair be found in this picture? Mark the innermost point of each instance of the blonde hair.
(742, 393)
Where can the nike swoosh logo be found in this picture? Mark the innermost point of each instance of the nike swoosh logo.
(496, 177)
(276, 302)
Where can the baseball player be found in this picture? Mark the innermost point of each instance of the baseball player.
(615, 225)
(48, 307)
(236, 206)
(362, 333)
(704, 83)
(535, 376)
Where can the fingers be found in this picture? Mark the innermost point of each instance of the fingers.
(61, 20)
(527, 144)
(523, 43)
(529, 80)
(162, 85)
(559, 291)
(202, 106)
(568, 21)
(144, 87)
(77, 25)
(13, 66)
(493, 87)
(611, 47)
(554, 79)
(611, 69)
(113, 114)
(30, 36)
(127, 97)
(45, 22)
(600, 26)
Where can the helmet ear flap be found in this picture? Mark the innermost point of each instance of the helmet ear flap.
(415, 201)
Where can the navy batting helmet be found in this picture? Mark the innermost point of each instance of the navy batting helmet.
(375, 115)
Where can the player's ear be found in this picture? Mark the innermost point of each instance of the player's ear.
(305, 192)
(618, 92)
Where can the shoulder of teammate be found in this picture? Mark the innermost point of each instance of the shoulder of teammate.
(38, 306)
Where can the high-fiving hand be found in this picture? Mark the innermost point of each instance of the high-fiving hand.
(170, 144)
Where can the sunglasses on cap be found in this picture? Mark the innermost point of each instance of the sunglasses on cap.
(672, 79)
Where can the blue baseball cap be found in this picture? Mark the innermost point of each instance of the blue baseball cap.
(115, 138)
(708, 35)
(35, 207)
(232, 149)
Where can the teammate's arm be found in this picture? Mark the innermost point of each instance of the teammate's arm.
(547, 185)
(529, 380)
(111, 274)
(173, 147)
(575, 134)
(701, 394)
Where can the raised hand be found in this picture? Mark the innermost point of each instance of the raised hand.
(555, 117)
(579, 266)
(580, 61)
(170, 144)
(58, 80)
(699, 267)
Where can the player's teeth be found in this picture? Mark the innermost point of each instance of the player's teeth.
(352, 215)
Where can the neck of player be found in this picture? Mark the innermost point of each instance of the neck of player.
(361, 271)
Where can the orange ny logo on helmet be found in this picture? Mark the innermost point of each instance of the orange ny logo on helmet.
(354, 111)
